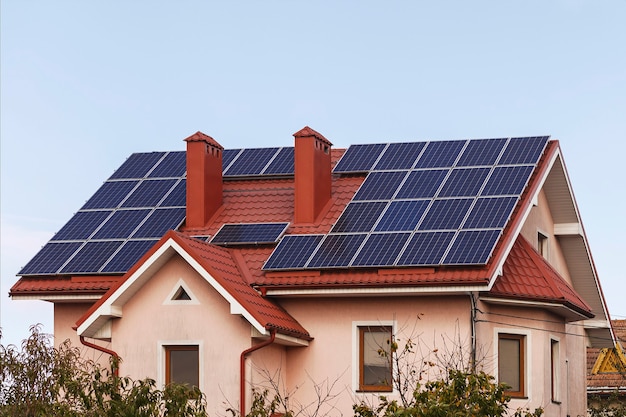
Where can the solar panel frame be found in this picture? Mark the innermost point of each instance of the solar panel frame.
(293, 252)
(82, 225)
(138, 165)
(472, 247)
(380, 185)
(482, 152)
(336, 251)
(440, 154)
(159, 221)
(359, 217)
(110, 195)
(50, 258)
(282, 164)
(464, 182)
(127, 255)
(381, 249)
(402, 215)
(422, 183)
(149, 193)
(251, 161)
(91, 257)
(249, 233)
(173, 165)
(359, 158)
(400, 156)
(447, 214)
(425, 248)
(121, 224)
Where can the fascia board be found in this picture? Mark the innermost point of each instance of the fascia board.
(329, 292)
(60, 297)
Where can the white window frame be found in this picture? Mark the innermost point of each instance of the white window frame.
(181, 283)
(355, 354)
(527, 357)
(555, 370)
(161, 347)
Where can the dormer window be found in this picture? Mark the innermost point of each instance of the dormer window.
(542, 244)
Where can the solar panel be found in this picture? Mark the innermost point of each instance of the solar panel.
(91, 257)
(508, 180)
(121, 224)
(283, 163)
(336, 251)
(251, 233)
(137, 165)
(50, 258)
(359, 158)
(251, 161)
(380, 185)
(359, 217)
(381, 249)
(82, 225)
(422, 184)
(464, 182)
(400, 156)
(472, 247)
(110, 195)
(159, 222)
(481, 152)
(440, 154)
(523, 150)
(402, 216)
(446, 214)
(128, 255)
(173, 165)
(426, 248)
(149, 193)
(490, 213)
(293, 251)
(228, 156)
(177, 197)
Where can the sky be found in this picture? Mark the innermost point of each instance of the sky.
(85, 84)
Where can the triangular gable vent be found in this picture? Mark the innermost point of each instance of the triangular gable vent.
(181, 294)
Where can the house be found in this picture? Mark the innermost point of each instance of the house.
(606, 371)
(298, 267)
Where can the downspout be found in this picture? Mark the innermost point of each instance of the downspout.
(242, 370)
(473, 331)
(116, 363)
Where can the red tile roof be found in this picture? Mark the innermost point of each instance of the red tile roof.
(606, 382)
(62, 285)
(528, 276)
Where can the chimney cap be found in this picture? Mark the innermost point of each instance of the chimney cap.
(307, 131)
(201, 137)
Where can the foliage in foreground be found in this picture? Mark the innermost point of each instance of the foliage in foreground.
(611, 406)
(41, 380)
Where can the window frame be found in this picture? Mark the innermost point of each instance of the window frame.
(555, 370)
(163, 360)
(523, 359)
(360, 331)
(543, 244)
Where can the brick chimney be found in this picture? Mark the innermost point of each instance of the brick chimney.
(313, 178)
(204, 179)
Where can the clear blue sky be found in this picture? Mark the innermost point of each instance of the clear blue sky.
(85, 84)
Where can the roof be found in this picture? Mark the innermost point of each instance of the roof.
(217, 265)
(603, 376)
(121, 225)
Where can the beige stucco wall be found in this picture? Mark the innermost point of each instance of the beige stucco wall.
(149, 323)
(540, 220)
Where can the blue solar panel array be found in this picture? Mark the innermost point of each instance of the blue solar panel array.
(421, 204)
(143, 199)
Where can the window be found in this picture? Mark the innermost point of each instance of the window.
(555, 369)
(375, 370)
(511, 367)
(182, 365)
(542, 244)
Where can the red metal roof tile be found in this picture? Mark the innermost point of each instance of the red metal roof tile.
(527, 275)
(62, 285)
